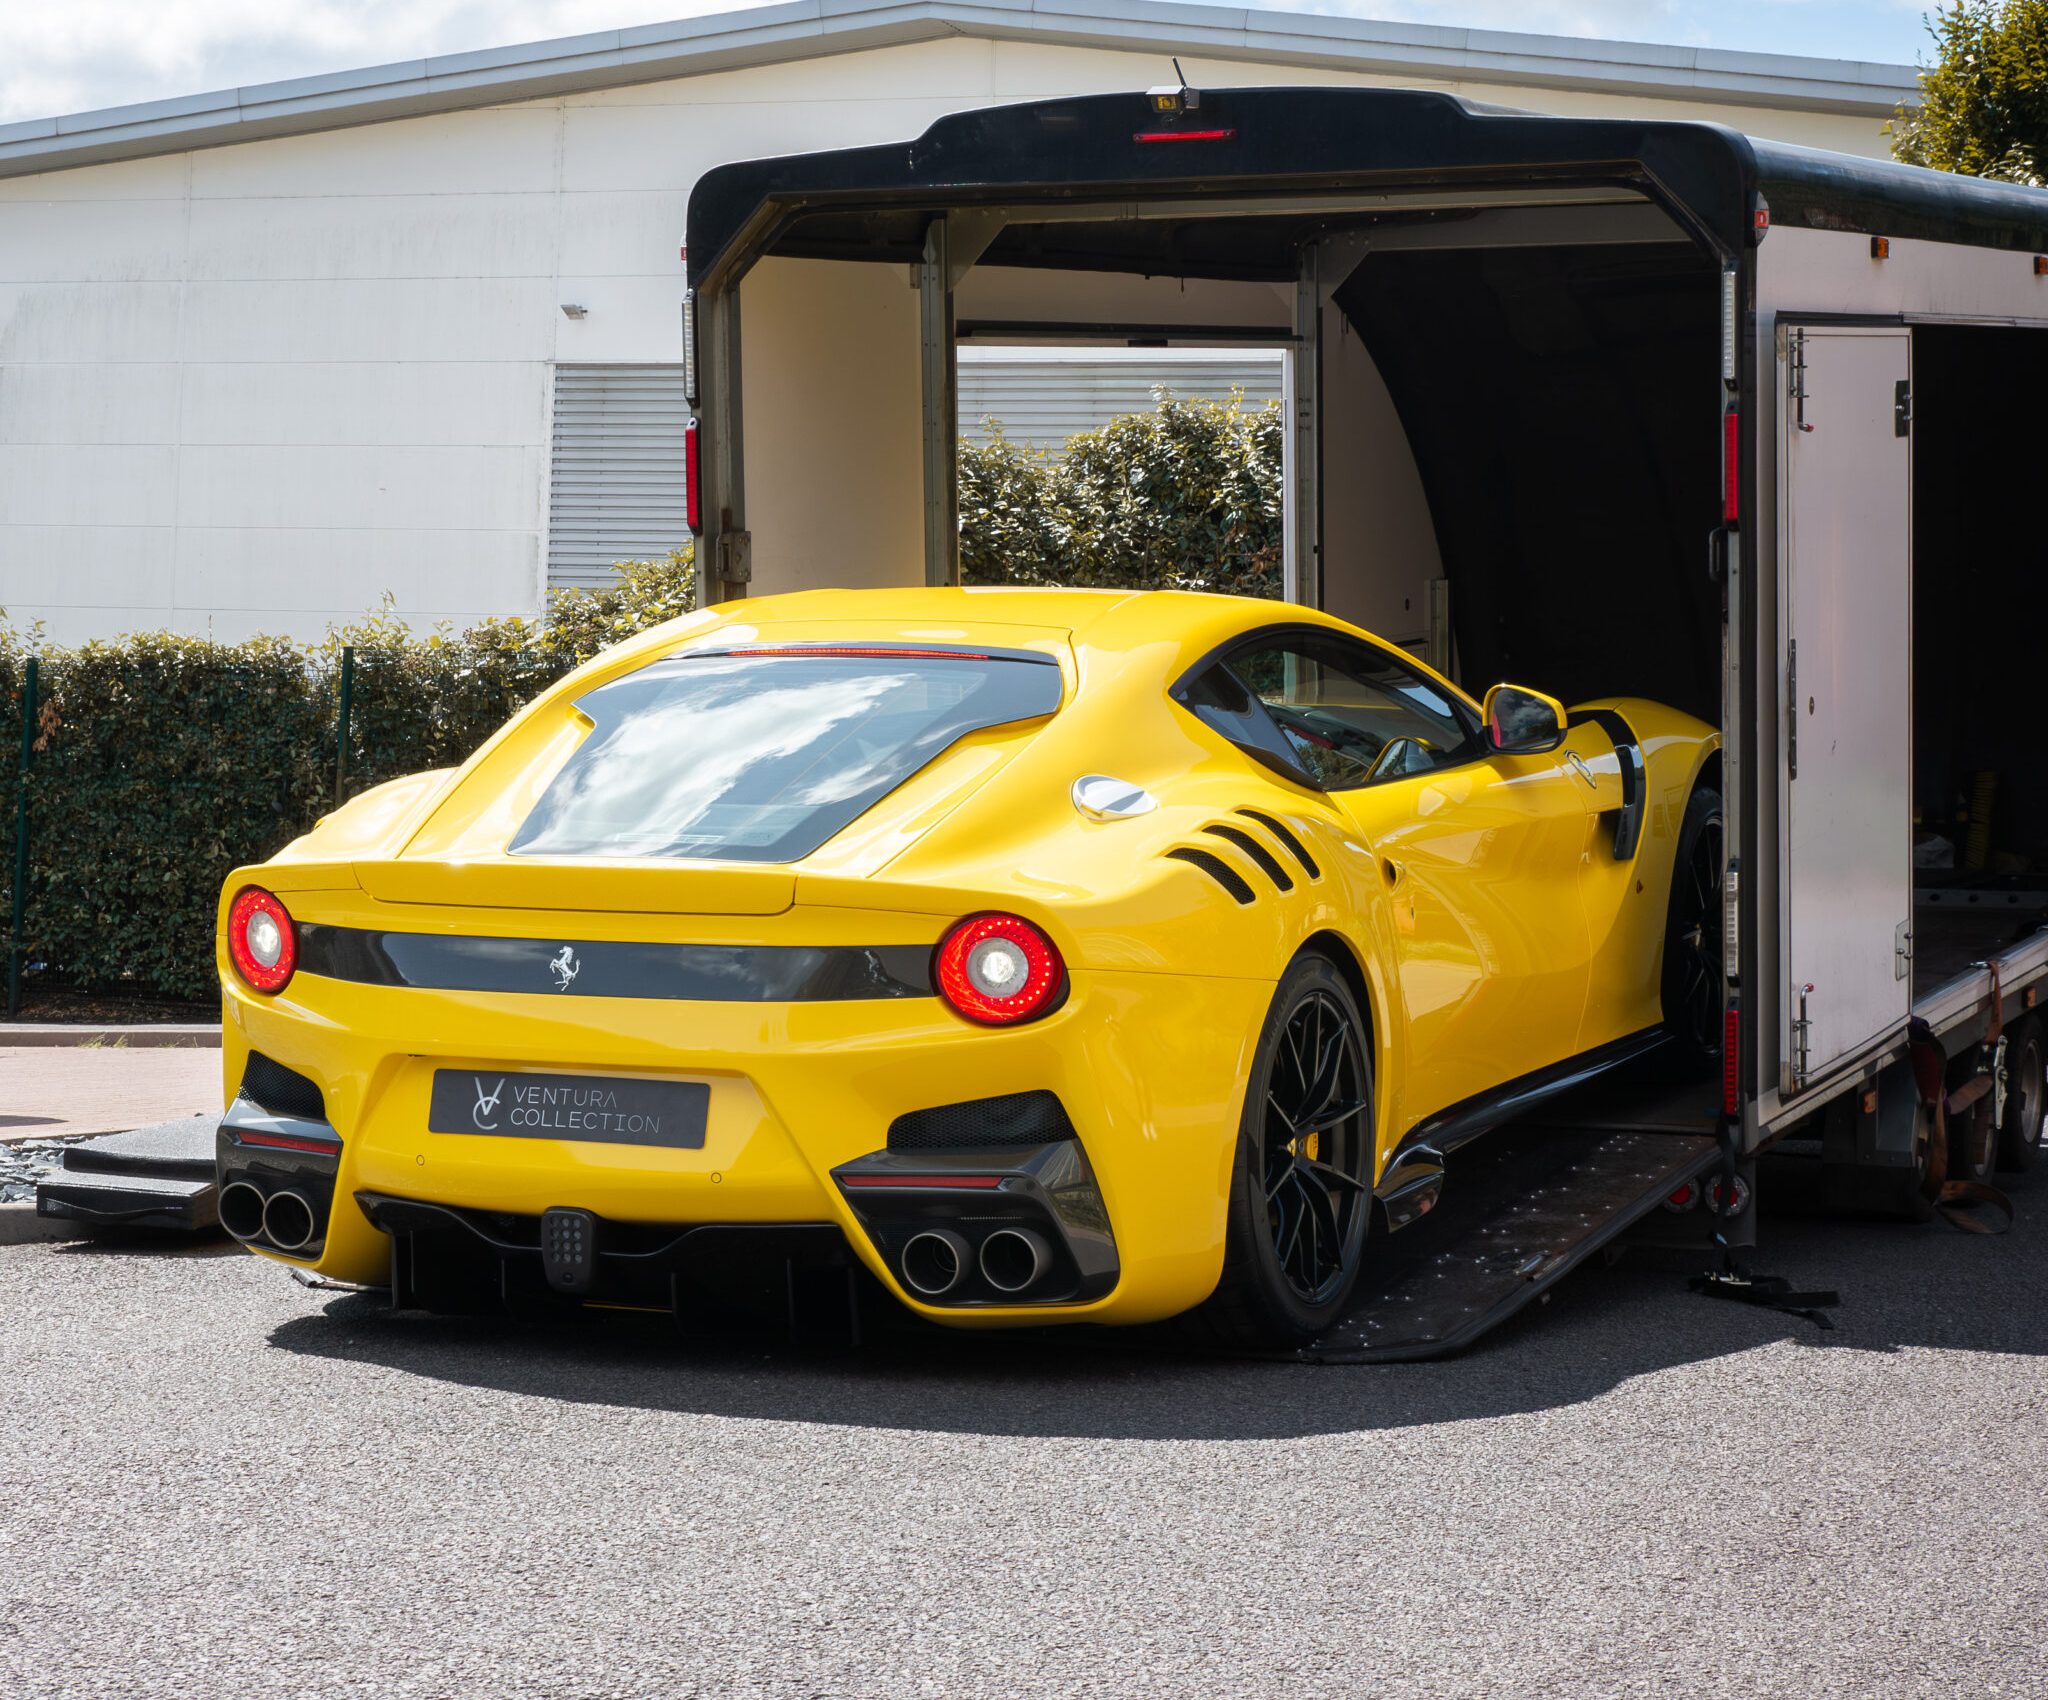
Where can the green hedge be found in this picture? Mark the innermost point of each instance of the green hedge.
(1185, 497)
(164, 761)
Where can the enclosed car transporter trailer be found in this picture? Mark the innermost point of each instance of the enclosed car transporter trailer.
(1616, 406)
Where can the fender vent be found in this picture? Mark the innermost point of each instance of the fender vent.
(280, 1090)
(1015, 1119)
(1217, 869)
(1293, 845)
(1256, 851)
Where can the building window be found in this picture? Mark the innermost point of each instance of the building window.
(1042, 396)
(615, 482)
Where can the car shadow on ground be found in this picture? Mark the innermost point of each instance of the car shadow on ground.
(1902, 1288)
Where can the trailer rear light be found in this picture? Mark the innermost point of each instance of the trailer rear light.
(1731, 1062)
(693, 481)
(1731, 465)
(1687, 1195)
(1184, 135)
(690, 346)
(261, 943)
(999, 970)
(1726, 1197)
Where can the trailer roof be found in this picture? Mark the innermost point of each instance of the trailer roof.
(872, 202)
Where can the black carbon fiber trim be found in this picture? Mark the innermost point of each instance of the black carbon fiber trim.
(596, 968)
(1015, 1119)
(1294, 845)
(1217, 869)
(1268, 863)
(282, 1091)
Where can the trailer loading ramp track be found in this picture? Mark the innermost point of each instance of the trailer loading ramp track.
(1521, 1209)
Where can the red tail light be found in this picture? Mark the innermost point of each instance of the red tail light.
(1183, 135)
(1731, 1061)
(693, 481)
(261, 942)
(999, 970)
(1731, 465)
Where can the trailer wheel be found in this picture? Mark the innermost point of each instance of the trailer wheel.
(1301, 1183)
(1973, 1142)
(2026, 1099)
(1691, 984)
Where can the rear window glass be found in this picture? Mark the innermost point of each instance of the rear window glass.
(763, 756)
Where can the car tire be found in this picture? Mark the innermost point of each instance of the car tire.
(1690, 984)
(2026, 1099)
(1301, 1205)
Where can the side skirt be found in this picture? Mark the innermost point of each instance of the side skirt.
(1413, 1178)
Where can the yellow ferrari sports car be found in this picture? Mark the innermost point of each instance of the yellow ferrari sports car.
(1030, 956)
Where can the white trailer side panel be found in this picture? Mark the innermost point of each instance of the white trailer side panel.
(1379, 539)
(1806, 272)
(834, 425)
(1846, 750)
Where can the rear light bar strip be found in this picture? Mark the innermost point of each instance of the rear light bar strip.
(932, 1182)
(1184, 135)
(287, 1142)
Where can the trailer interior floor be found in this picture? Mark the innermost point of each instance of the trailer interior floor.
(1955, 929)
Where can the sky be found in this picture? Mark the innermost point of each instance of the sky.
(62, 56)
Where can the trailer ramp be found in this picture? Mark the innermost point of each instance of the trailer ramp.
(1521, 1209)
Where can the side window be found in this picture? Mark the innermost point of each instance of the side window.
(1346, 714)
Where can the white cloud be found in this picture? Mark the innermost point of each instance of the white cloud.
(75, 55)
(59, 56)
(1616, 20)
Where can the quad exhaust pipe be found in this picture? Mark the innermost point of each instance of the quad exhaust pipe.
(241, 1210)
(1013, 1259)
(285, 1220)
(288, 1220)
(934, 1262)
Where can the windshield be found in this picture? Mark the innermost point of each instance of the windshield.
(763, 755)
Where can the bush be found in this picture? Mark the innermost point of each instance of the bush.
(1984, 102)
(1187, 497)
(163, 761)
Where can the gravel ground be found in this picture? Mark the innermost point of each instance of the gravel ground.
(25, 1162)
(220, 1483)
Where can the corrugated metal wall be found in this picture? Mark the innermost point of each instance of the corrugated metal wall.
(1043, 396)
(615, 484)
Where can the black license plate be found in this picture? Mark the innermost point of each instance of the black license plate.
(595, 1109)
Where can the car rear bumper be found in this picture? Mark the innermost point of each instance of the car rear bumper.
(1148, 1067)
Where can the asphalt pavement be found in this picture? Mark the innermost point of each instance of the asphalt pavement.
(216, 1482)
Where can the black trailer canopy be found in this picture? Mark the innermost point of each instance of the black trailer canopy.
(873, 203)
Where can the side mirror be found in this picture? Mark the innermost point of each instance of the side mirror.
(1522, 722)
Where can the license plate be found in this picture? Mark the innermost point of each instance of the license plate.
(595, 1109)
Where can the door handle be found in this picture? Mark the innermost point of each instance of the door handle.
(1390, 871)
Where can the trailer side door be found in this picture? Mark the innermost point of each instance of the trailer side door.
(1846, 738)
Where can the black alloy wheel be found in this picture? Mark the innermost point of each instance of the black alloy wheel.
(1301, 1192)
(1314, 1136)
(1692, 934)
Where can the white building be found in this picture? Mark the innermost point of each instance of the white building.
(270, 354)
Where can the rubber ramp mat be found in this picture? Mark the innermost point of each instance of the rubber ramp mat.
(1520, 1210)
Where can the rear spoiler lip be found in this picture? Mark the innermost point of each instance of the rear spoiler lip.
(585, 886)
